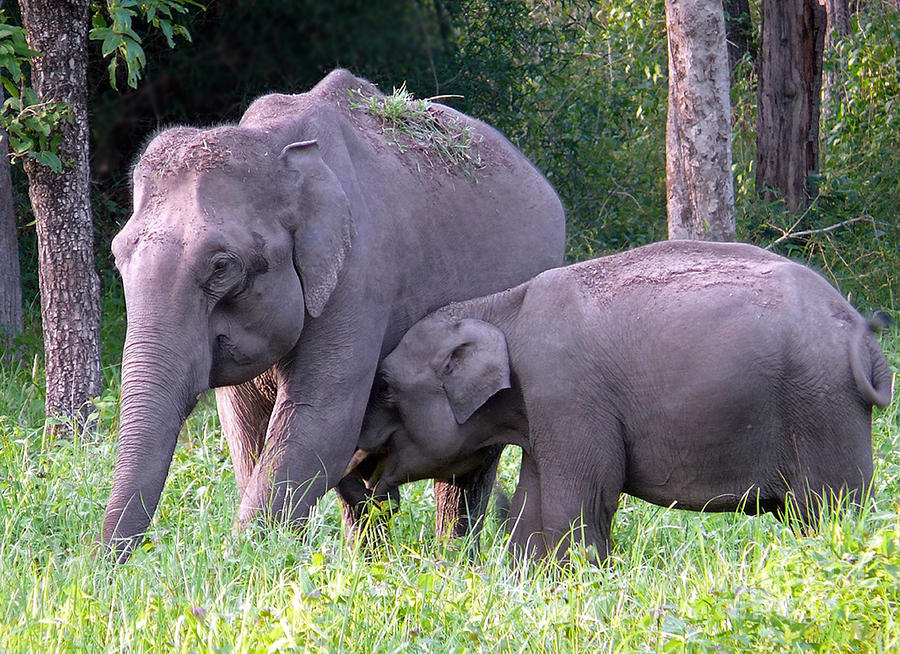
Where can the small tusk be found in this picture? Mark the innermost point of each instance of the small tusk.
(376, 474)
(358, 457)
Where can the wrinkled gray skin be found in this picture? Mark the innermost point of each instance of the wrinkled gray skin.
(277, 261)
(713, 376)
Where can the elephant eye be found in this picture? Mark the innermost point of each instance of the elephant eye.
(220, 264)
(384, 398)
(223, 264)
(223, 279)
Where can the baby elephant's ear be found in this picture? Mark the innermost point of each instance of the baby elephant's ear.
(475, 368)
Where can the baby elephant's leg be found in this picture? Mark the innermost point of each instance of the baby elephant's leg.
(578, 515)
(525, 525)
(582, 473)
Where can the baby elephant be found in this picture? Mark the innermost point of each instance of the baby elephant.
(709, 376)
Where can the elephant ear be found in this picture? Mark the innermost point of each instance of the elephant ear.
(324, 229)
(475, 367)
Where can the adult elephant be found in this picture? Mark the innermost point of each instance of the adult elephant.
(279, 260)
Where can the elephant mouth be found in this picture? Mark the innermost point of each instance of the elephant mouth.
(368, 465)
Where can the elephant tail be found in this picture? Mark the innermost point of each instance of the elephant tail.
(870, 368)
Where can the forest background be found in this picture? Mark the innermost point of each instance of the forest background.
(581, 88)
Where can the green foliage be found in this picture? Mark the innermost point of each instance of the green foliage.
(677, 580)
(580, 87)
(850, 231)
(32, 126)
(112, 26)
(13, 49)
(30, 123)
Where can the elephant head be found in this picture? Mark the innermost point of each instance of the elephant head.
(440, 403)
(233, 240)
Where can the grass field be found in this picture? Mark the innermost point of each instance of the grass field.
(677, 581)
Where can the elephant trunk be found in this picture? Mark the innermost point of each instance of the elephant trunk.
(160, 383)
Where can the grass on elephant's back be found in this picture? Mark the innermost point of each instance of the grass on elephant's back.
(678, 580)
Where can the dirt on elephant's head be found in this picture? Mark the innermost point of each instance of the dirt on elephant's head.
(183, 149)
(431, 140)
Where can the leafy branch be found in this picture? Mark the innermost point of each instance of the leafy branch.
(32, 124)
(32, 128)
(113, 26)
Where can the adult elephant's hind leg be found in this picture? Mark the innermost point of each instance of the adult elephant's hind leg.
(244, 412)
(461, 502)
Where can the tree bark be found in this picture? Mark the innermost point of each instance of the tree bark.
(738, 29)
(699, 182)
(70, 289)
(838, 26)
(10, 281)
(790, 85)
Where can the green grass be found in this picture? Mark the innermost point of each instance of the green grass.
(677, 581)
(413, 126)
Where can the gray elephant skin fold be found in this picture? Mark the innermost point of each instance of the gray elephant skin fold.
(708, 376)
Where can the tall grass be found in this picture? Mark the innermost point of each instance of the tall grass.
(677, 581)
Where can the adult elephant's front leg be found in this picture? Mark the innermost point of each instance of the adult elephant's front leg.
(245, 411)
(322, 392)
(306, 450)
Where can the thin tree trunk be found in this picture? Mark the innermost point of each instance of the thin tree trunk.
(10, 281)
(790, 85)
(738, 29)
(699, 182)
(444, 25)
(838, 17)
(70, 302)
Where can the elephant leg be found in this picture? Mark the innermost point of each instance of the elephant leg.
(461, 502)
(362, 526)
(829, 459)
(575, 516)
(322, 393)
(525, 524)
(582, 473)
(244, 413)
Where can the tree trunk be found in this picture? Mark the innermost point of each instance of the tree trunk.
(70, 302)
(738, 29)
(790, 84)
(838, 19)
(10, 282)
(699, 182)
